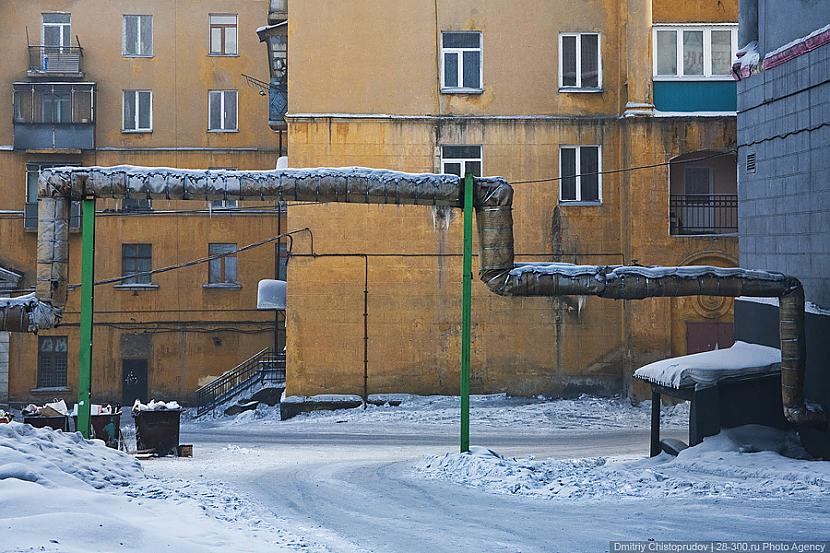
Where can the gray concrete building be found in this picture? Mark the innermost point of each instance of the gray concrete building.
(784, 172)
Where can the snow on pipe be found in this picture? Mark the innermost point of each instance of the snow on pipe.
(493, 199)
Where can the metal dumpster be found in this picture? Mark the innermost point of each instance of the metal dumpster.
(104, 427)
(55, 423)
(157, 431)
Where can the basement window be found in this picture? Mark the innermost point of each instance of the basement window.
(52, 361)
(580, 67)
(461, 67)
(579, 171)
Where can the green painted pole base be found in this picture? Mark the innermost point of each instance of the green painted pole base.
(466, 307)
(87, 297)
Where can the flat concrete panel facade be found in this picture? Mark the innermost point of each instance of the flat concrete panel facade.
(783, 189)
(784, 205)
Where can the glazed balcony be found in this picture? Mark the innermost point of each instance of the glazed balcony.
(54, 116)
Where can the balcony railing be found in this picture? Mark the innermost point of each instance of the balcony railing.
(65, 61)
(692, 214)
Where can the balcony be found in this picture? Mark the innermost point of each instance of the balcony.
(64, 62)
(696, 214)
(54, 116)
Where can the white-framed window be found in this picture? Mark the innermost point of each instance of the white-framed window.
(694, 52)
(462, 69)
(580, 169)
(56, 29)
(137, 36)
(580, 62)
(222, 110)
(138, 111)
(460, 160)
(223, 34)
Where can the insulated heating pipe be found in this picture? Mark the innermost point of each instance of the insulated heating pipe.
(493, 199)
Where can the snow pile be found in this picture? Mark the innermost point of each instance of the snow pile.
(54, 459)
(743, 462)
(62, 493)
(708, 367)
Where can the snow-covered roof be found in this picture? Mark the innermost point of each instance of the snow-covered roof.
(708, 368)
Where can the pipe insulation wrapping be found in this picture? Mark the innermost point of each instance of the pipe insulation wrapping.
(493, 200)
(346, 185)
(27, 314)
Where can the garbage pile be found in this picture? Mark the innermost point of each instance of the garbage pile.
(5, 417)
(105, 420)
(154, 405)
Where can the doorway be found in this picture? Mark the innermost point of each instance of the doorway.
(134, 381)
(709, 336)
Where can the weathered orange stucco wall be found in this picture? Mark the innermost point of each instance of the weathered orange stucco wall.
(522, 346)
(194, 332)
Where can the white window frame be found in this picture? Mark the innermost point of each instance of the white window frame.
(579, 87)
(222, 109)
(460, 53)
(707, 50)
(578, 156)
(140, 37)
(65, 29)
(463, 161)
(137, 115)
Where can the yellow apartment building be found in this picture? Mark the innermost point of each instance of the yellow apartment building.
(138, 82)
(613, 119)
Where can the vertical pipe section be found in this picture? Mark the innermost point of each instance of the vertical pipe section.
(87, 300)
(53, 249)
(466, 308)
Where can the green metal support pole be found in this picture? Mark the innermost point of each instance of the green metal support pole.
(466, 308)
(87, 296)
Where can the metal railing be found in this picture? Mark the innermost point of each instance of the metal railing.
(263, 368)
(55, 59)
(691, 214)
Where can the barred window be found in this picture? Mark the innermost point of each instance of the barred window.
(51, 362)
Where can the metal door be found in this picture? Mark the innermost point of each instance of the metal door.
(134, 382)
(708, 336)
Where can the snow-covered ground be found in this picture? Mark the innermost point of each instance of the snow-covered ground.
(62, 493)
(490, 412)
(389, 479)
(744, 462)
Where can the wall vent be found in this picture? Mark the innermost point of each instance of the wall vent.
(750, 162)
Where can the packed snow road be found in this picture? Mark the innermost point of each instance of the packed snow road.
(355, 482)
